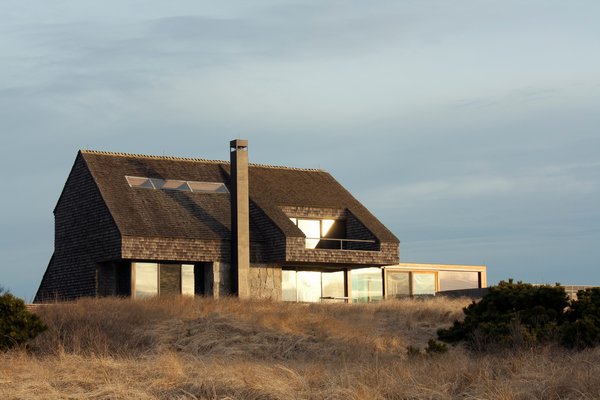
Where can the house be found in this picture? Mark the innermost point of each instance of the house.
(138, 226)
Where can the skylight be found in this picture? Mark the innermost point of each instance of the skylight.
(174, 184)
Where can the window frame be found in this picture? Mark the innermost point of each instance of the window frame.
(133, 269)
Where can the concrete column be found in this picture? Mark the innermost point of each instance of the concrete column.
(217, 280)
(240, 218)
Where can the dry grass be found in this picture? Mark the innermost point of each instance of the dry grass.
(182, 348)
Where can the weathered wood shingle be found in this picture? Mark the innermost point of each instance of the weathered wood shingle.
(100, 218)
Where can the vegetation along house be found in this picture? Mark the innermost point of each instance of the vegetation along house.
(135, 225)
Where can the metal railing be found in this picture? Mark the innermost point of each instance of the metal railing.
(343, 243)
(335, 298)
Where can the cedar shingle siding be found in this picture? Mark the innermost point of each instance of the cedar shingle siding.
(85, 234)
(101, 219)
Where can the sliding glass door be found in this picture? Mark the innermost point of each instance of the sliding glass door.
(313, 286)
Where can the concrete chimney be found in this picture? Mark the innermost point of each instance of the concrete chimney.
(240, 218)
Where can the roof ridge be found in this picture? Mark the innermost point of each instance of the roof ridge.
(191, 159)
(153, 157)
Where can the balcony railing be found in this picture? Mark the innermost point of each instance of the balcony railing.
(335, 244)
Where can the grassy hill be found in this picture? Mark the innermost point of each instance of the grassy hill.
(184, 348)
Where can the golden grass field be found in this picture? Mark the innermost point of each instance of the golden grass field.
(184, 348)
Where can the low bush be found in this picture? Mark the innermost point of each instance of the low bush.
(523, 315)
(582, 320)
(510, 314)
(17, 324)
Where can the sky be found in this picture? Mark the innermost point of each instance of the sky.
(469, 128)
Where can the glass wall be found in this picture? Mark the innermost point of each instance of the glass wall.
(332, 284)
(152, 279)
(309, 286)
(367, 285)
(397, 284)
(312, 286)
(288, 286)
(456, 280)
(423, 283)
(146, 280)
(400, 283)
(187, 279)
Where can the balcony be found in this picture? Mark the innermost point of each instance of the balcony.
(340, 244)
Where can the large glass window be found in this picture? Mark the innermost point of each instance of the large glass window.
(312, 286)
(187, 279)
(332, 285)
(455, 280)
(322, 233)
(146, 280)
(152, 279)
(367, 285)
(423, 283)
(312, 229)
(288, 285)
(309, 286)
(397, 284)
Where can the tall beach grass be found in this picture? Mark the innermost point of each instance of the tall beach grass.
(194, 348)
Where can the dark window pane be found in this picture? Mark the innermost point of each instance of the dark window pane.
(170, 279)
(124, 279)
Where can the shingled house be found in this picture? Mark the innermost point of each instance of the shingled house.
(135, 225)
(138, 226)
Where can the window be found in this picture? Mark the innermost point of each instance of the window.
(289, 291)
(332, 285)
(423, 284)
(207, 187)
(455, 280)
(397, 284)
(187, 279)
(152, 279)
(174, 184)
(322, 233)
(367, 285)
(169, 279)
(313, 286)
(146, 280)
(309, 286)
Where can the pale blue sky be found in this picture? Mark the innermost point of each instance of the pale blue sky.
(470, 128)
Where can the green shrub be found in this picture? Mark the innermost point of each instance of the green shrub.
(582, 321)
(17, 324)
(511, 314)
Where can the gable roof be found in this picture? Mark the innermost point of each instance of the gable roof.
(177, 214)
